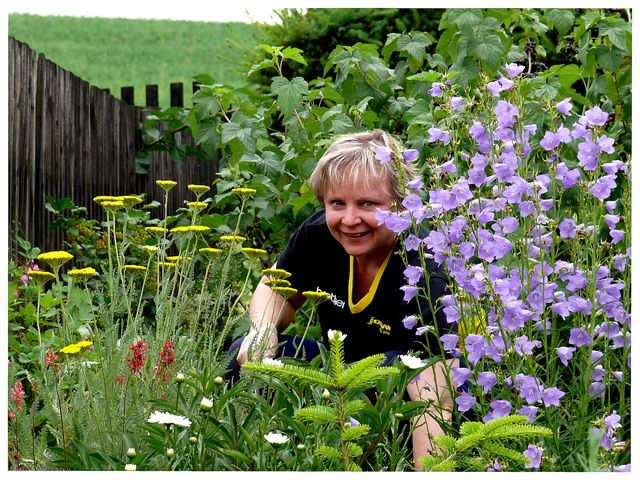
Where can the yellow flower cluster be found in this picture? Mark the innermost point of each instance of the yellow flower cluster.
(232, 238)
(55, 258)
(150, 249)
(197, 206)
(166, 185)
(134, 268)
(129, 200)
(242, 191)
(76, 347)
(210, 252)
(199, 190)
(158, 231)
(190, 228)
(82, 273)
(176, 258)
(112, 205)
(254, 252)
(286, 292)
(41, 275)
(276, 273)
(278, 282)
(316, 296)
(166, 264)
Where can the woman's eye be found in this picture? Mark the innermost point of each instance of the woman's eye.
(368, 203)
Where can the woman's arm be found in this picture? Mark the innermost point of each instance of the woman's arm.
(431, 384)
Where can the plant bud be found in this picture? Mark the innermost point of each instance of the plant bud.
(193, 439)
(130, 467)
(131, 452)
(325, 394)
(170, 452)
(218, 380)
(206, 403)
(399, 415)
(84, 332)
(180, 378)
(301, 446)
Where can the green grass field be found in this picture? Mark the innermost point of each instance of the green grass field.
(112, 53)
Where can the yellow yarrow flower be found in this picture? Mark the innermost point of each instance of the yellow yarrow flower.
(242, 191)
(166, 264)
(129, 200)
(276, 273)
(82, 273)
(190, 228)
(197, 206)
(56, 258)
(150, 249)
(286, 292)
(254, 252)
(210, 252)
(232, 238)
(316, 296)
(104, 198)
(199, 190)
(113, 205)
(134, 268)
(166, 185)
(76, 347)
(278, 282)
(41, 276)
(157, 231)
(176, 258)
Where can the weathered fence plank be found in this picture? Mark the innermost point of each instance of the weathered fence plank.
(70, 139)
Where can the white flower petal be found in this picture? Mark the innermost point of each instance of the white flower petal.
(272, 362)
(276, 438)
(336, 334)
(165, 418)
(412, 362)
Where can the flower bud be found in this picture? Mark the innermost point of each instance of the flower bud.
(130, 467)
(131, 452)
(218, 380)
(180, 378)
(84, 332)
(193, 439)
(399, 415)
(206, 403)
(170, 452)
(325, 394)
(301, 446)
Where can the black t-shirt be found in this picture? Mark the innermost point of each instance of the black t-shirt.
(373, 325)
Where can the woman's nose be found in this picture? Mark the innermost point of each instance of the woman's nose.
(351, 216)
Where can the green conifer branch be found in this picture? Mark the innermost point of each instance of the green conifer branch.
(317, 413)
(359, 367)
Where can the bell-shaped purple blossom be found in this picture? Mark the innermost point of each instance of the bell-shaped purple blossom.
(577, 281)
(397, 223)
(596, 116)
(598, 373)
(499, 409)
(412, 242)
(579, 304)
(449, 167)
(523, 346)
(409, 322)
(579, 337)
(436, 89)
(529, 411)
(465, 402)
(588, 155)
(409, 292)
(412, 202)
(550, 141)
(479, 134)
(529, 388)
(596, 389)
(410, 155)
(620, 262)
(603, 187)
(413, 274)
(527, 208)
(475, 347)
(568, 177)
(565, 354)
(567, 228)
(416, 185)
(487, 381)
(449, 341)
(613, 167)
(534, 454)
(513, 69)
(457, 103)
(611, 220)
(383, 154)
(437, 134)
(616, 235)
(605, 144)
(551, 396)
(612, 421)
(459, 376)
(565, 106)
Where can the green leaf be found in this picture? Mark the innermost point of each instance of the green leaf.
(328, 452)
(294, 54)
(289, 93)
(266, 63)
(317, 413)
(353, 433)
(561, 19)
(617, 35)
(430, 76)
(490, 50)
(236, 455)
(355, 450)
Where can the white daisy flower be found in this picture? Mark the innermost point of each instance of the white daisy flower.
(276, 438)
(412, 362)
(206, 403)
(336, 334)
(165, 418)
(272, 362)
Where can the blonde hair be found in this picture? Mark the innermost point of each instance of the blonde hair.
(353, 157)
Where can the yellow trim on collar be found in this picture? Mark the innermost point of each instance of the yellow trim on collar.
(366, 300)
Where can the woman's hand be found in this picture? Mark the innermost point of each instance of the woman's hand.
(259, 343)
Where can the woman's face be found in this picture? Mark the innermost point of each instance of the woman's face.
(350, 211)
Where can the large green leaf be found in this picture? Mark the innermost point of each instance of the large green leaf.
(561, 19)
(289, 92)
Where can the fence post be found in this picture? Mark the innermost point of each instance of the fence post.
(177, 97)
(151, 92)
(127, 95)
(195, 86)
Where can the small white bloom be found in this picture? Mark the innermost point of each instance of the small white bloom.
(301, 446)
(131, 452)
(206, 403)
(130, 467)
(276, 438)
(412, 362)
(170, 452)
(336, 335)
(326, 394)
(165, 418)
(272, 362)
(180, 377)
(89, 363)
(193, 439)
(218, 380)
(84, 331)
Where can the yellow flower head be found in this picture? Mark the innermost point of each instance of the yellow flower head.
(254, 252)
(82, 273)
(244, 192)
(84, 343)
(276, 273)
(199, 190)
(150, 249)
(232, 238)
(197, 206)
(104, 198)
(166, 185)
(190, 228)
(56, 258)
(286, 292)
(112, 204)
(176, 258)
(167, 264)
(76, 347)
(157, 231)
(129, 200)
(278, 282)
(318, 297)
(210, 252)
(41, 276)
(134, 268)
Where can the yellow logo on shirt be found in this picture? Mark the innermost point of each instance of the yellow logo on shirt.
(382, 327)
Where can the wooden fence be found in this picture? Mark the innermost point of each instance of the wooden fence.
(71, 139)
